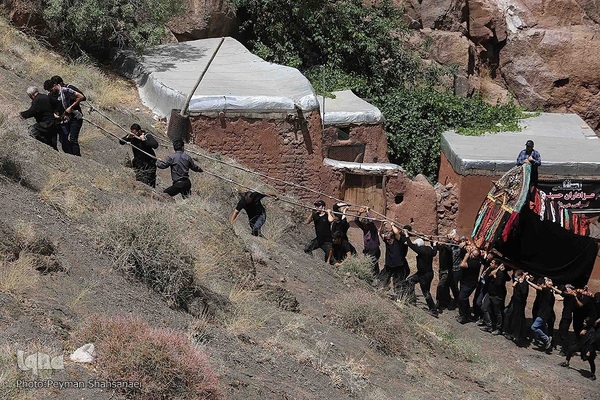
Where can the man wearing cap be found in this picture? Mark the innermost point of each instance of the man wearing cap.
(531, 156)
(320, 217)
(180, 164)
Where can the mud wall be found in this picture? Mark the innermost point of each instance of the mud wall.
(290, 149)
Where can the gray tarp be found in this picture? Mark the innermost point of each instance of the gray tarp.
(349, 109)
(237, 80)
(567, 145)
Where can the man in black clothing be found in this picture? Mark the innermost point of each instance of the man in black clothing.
(444, 275)
(143, 154)
(496, 287)
(257, 215)
(339, 223)
(396, 267)
(320, 218)
(43, 109)
(458, 253)
(424, 274)
(370, 240)
(566, 318)
(340, 249)
(470, 268)
(545, 311)
(180, 164)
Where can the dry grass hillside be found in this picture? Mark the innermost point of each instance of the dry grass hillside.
(184, 305)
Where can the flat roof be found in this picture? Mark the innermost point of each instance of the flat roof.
(567, 145)
(236, 80)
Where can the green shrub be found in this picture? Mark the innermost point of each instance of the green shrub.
(359, 266)
(345, 44)
(164, 362)
(96, 26)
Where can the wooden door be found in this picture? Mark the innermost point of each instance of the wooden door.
(365, 190)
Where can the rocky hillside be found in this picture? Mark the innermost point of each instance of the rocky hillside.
(544, 54)
(188, 306)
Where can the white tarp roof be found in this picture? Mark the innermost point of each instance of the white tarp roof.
(236, 80)
(348, 109)
(363, 168)
(567, 145)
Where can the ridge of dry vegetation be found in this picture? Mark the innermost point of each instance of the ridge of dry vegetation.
(177, 291)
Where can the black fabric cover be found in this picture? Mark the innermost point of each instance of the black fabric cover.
(544, 248)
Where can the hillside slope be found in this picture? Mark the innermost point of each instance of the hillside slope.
(274, 322)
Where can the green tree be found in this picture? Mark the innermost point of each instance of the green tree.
(366, 49)
(90, 26)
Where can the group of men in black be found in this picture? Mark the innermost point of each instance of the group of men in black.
(57, 114)
(465, 273)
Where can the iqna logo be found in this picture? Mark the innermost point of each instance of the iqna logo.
(39, 361)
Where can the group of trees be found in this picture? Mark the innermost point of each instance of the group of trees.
(337, 44)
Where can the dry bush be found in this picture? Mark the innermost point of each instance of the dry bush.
(67, 196)
(146, 243)
(250, 312)
(199, 330)
(9, 374)
(104, 89)
(375, 318)
(220, 255)
(18, 275)
(163, 361)
(358, 266)
(11, 168)
(29, 240)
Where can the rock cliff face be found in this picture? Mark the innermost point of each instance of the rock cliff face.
(546, 54)
(204, 19)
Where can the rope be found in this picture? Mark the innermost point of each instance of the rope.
(383, 220)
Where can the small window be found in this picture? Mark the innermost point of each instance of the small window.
(399, 198)
(343, 133)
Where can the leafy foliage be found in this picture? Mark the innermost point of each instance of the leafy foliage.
(96, 26)
(345, 44)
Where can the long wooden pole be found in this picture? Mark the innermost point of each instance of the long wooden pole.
(185, 107)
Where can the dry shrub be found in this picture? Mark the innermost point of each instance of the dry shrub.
(250, 312)
(163, 361)
(220, 255)
(67, 196)
(375, 318)
(18, 275)
(29, 240)
(11, 168)
(104, 89)
(358, 266)
(9, 374)
(147, 243)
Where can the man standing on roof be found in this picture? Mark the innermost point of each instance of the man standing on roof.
(143, 154)
(531, 156)
(180, 164)
(257, 215)
(320, 217)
